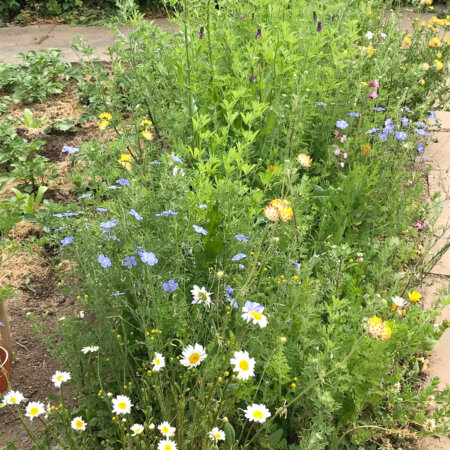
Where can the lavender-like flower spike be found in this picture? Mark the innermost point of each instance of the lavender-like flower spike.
(258, 34)
(252, 78)
(201, 33)
(319, 27)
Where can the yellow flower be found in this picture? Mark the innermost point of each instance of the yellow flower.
(439, 64)
(370, 51)
(103, 124)
(439, 55)
(105, 116)
(422, 82)
(446, 39)
(286, 214)
(406, 43)
(435, 42)
(146, 123)
(124, 160)
(147, 135)
(414, 296)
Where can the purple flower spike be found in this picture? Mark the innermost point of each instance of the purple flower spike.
(201, 33)
(258, 34)
(319, 27)
(252, 78)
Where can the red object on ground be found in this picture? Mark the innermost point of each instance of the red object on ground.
(5, 372)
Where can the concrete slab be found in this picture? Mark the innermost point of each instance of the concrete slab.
(444, 121)
(430, 443)
(15, 40)
(439, 152)
(407, 16)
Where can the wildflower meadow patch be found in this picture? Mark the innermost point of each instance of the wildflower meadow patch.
(247, 246)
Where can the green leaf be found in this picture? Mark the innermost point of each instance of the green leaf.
(10, 446)
(230, 434)
(275, 437)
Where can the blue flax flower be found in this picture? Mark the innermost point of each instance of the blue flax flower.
(241, 237)
(176, 159)
(69, 150)
(238, 257)
(353, 114)
(129, 261)
(104, 260)
(433, 116)
(230, 290)
(149, 258)
(322, 104)
(232, 302)
(379, 109)
(67, 240)
(170, 286)
(84, 196)
(382, 136)
(421, 125)
(200, 230)
(166, 213)
(420, 148)
(401, 136)
(404, 121)
(108, 225)
(421, 132)
(102, 209)
(372, 130)
(203, 206)
(123, 182)
(342, 124)
(407, 109)
(135, 214)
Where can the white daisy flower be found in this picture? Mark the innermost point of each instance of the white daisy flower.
(399, 302)
(151, 426)
(60, 378)
(201, 295)
(137, 429)
(429, 425)
(158, 362)
(193, 356)
(217, 435)
(13, 398)
(166, 430)
(78, 424)
(252, 311)
(243, 364)
(369, 35)
(121, 405)
(90, 349)
(167, 444)
(177, 170)
(257, 413)
(34, 409)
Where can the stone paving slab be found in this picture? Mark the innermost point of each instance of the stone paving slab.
(439, 152)
(15, 39)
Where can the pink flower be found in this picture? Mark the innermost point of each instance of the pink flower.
(343, 138)
(419, 225)
(336, 132)
(374, 84)
(337, 152)
(241, 16)
(342, 164)
(374, 94)
(344, 155)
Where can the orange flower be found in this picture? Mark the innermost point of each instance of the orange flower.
(366, 148)
(272, 169)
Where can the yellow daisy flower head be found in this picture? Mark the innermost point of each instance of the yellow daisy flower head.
(121, 405)
(146, 123)
(192, 356)
(146, 134)
(166, 430)
(13, 398)
(105, 116)
(137, 429)
(103, 124)
(435, 42)
(439, 64)
(414, 296)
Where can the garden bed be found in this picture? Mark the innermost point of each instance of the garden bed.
(241, 219)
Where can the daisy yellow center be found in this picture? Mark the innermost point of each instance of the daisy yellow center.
(165, 430)
(167, 447)
(122, 405)
(257, 414)
(138, 430)
(79, 424)
(194, 358)
(13, 400)
(243, 364)
(34, 411)
(217, 436)
(59, 377)
(157, 362)
(256, 315)
(202, 295)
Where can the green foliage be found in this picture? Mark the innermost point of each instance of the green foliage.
(39, 76)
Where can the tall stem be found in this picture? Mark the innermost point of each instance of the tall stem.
(188, 61)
